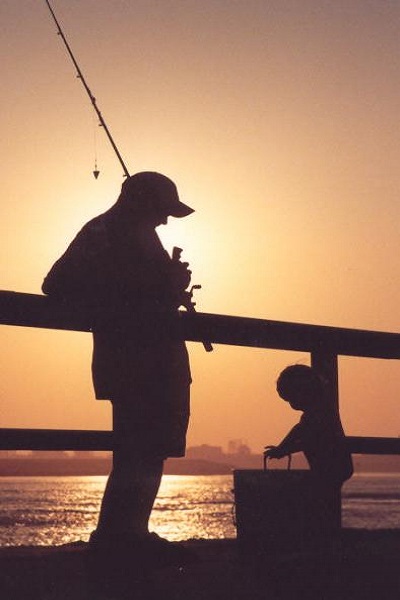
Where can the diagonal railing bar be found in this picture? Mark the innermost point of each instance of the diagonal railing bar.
(30, 310)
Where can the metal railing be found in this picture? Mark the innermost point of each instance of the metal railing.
(323, 343)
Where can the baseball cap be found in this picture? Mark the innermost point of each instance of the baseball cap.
(157, 191)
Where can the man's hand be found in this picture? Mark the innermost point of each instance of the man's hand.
(180, 275)
(274, 452)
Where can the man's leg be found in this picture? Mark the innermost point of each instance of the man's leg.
(129, 497)
(132, 485)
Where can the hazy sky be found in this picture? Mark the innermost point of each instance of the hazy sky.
(278, 120)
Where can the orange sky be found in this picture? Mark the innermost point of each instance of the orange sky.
(279, 123)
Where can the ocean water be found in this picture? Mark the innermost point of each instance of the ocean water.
(59, 510)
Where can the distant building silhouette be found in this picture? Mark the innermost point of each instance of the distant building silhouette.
(206, 452)
(238, 447)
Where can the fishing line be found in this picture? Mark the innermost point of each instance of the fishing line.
(96, 171)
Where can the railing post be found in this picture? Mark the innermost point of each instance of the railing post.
(326, 364)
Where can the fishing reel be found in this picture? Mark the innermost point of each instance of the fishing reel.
(187, 296)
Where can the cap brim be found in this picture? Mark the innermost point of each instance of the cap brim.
(179, 209)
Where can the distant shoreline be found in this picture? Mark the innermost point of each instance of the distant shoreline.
(75, 466)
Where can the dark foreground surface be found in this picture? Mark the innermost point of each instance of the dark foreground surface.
(364, 565)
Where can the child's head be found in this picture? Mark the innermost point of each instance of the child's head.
(300, 385)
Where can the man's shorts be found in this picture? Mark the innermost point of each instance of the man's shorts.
(152, 421)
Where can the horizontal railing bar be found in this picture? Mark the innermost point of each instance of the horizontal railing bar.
(32, 310)
(55, 439)
(64, 439)
(373, 445)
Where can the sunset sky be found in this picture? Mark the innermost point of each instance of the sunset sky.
(278, 121)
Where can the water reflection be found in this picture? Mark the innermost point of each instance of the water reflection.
(198, 507)
(59, 510)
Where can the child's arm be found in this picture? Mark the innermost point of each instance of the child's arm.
(291, 443)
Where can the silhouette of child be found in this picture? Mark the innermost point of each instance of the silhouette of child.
(319, 433)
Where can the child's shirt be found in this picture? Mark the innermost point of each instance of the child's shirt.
(322, 440)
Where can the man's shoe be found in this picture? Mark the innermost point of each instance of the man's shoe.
(150, 550)
(172, 553)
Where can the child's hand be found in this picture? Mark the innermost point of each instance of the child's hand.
(274, 452)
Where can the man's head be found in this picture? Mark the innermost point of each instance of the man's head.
(301, 386)
(150, 193)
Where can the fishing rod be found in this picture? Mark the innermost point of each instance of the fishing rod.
(89, 93)
(189, 304)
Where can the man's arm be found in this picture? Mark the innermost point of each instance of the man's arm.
(81, 272)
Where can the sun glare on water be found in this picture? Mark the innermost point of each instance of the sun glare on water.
(197, 509)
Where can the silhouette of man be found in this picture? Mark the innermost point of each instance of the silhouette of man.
(117, 267)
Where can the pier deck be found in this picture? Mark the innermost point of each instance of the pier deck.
(365, 567)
